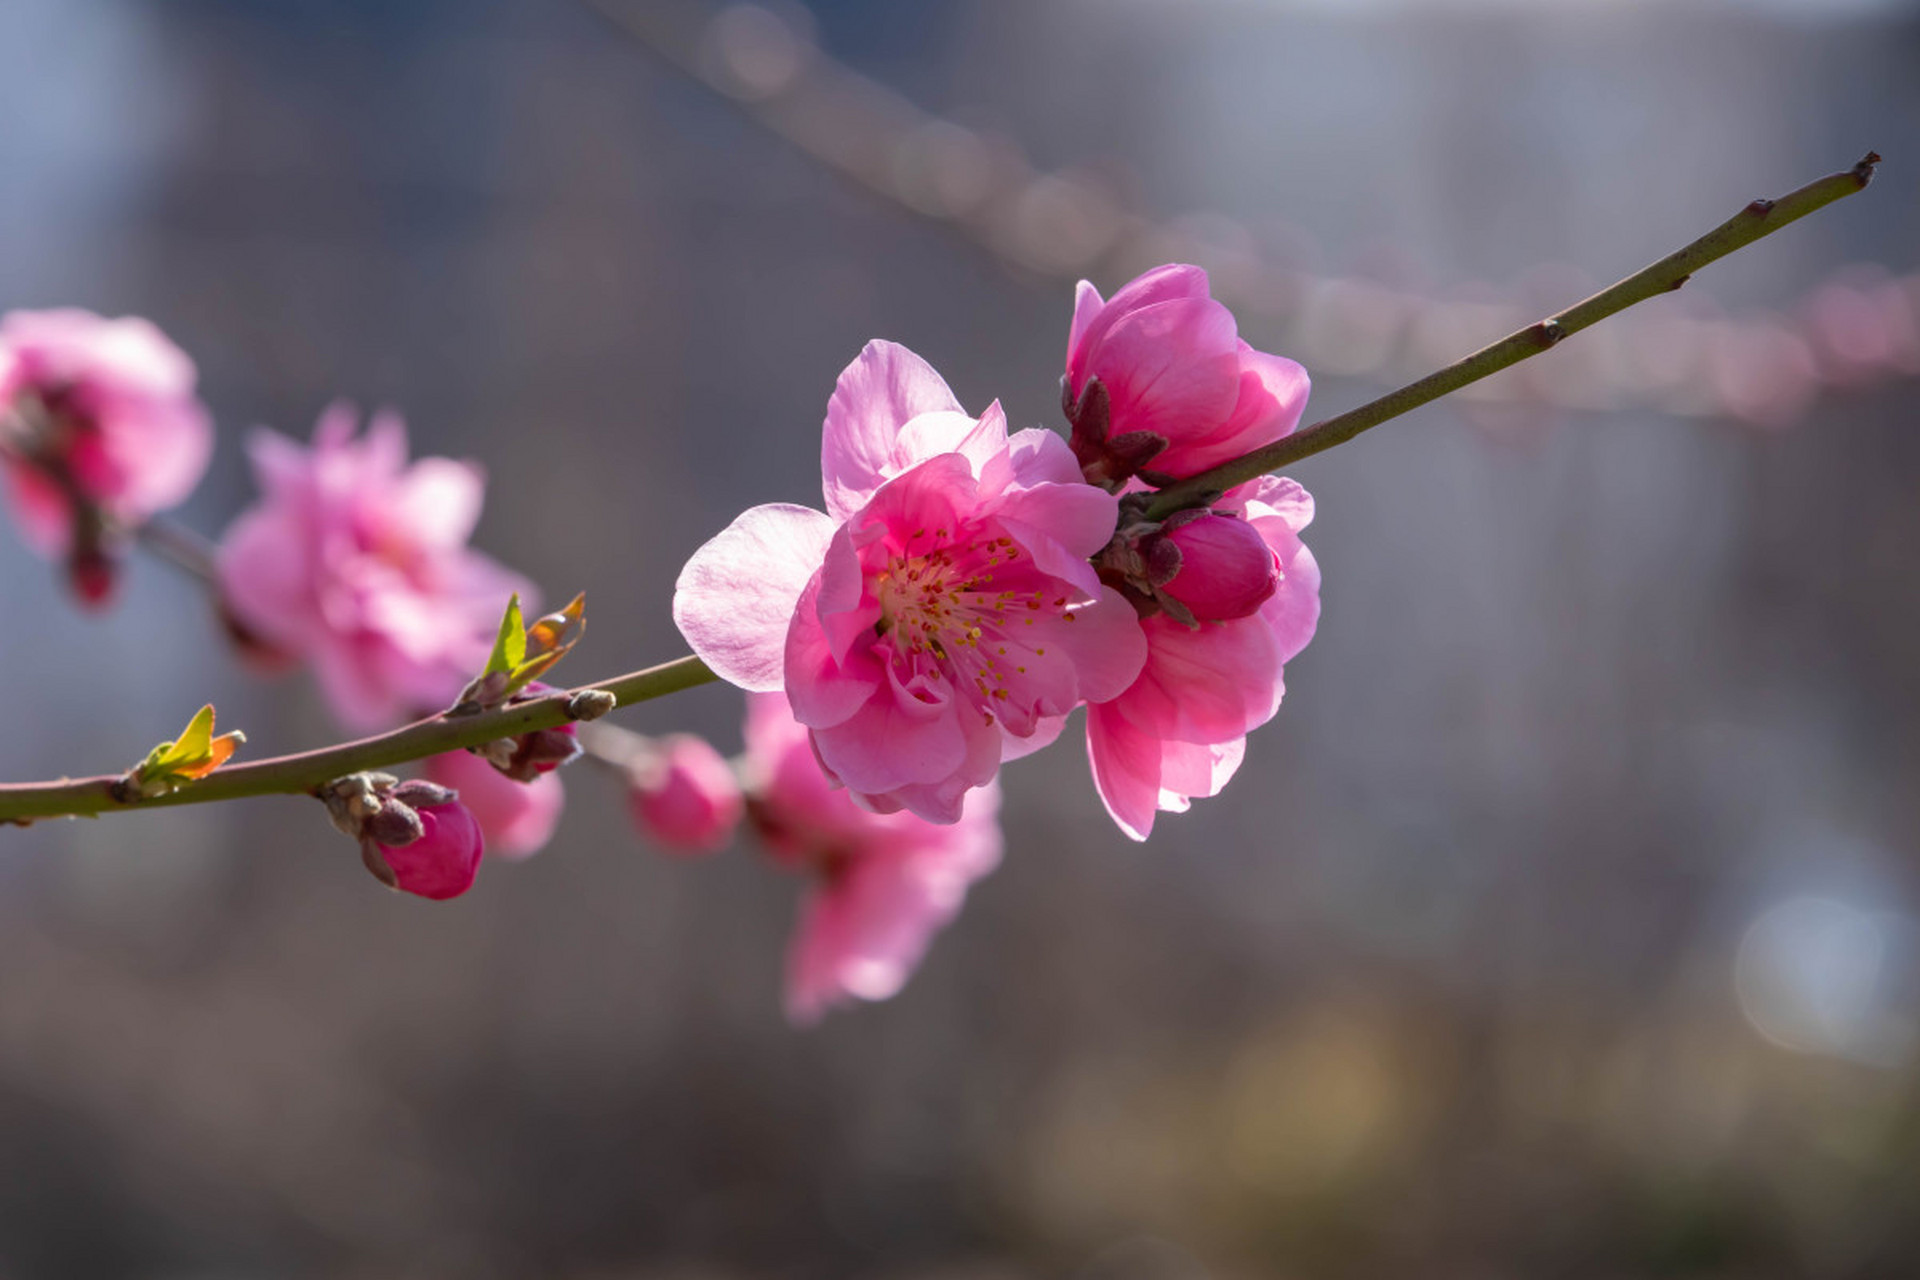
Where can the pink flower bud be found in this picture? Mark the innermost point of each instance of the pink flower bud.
(686, 796)
(442, 863)
(1225, 570)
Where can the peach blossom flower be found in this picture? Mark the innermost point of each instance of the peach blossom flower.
(942, 615)
(357, 561)
(100, 429)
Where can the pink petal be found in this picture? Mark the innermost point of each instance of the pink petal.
(736, 596)
(884, 388)
(1126, 769)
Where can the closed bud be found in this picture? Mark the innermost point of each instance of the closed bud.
(1224, 568)
(443, 860)
(685, 795)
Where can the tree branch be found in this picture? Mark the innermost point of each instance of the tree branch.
(304, 773)
(1759, 219)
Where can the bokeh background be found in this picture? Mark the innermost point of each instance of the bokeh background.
(1565, 922)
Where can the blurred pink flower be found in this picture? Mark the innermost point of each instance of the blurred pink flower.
(942, 616)
(685, 796)
(1180, 730)
(443, 862)
(358, 562)
(102, 411)
(884, 883)
(1173, 368)
(518, 818)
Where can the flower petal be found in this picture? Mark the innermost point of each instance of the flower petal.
(884, 388)
(735, 598)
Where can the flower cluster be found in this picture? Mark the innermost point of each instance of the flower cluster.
(965, 588)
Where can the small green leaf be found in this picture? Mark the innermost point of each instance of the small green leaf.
(188, 758)
(510, 646)
(550, 639)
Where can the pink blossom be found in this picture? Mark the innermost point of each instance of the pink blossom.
(884, 884)
(357, 561)
(685, 795)
(1179, 730)
(442, 863)
(518, 818)
(942, 615)
(1174, 369)
(102, 413)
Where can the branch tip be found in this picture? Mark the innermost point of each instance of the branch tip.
(1863, 172)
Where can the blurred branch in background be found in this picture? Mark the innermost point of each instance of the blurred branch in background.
(1858, 327)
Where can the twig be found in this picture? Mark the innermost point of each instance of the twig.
(1759, 219)
(306, 772)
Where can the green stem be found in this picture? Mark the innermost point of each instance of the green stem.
(305, 773)
(1759, 219)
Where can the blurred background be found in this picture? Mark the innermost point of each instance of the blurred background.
(1565, 922)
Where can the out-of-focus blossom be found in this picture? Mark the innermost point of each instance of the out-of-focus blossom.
(685, 796)
(1159, 380)
(518, 818)
(357, 561)
(443, 861)
(100, 429)
(942, 615)
(1179, 730)
(884, 884)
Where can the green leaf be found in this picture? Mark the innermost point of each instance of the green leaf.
(550, 639)
(510, 646)
(188, 758)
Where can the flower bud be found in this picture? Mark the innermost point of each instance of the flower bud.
(685, 796)
(414, 836)
(443, 860)
(1224, 569)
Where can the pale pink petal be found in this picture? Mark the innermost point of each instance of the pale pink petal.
(735, 598)
(1189, 770)
(437, 502)
(885, 387)
(1033, 457)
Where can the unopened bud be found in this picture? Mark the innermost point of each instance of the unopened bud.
(1225, 569)
(591, 704)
